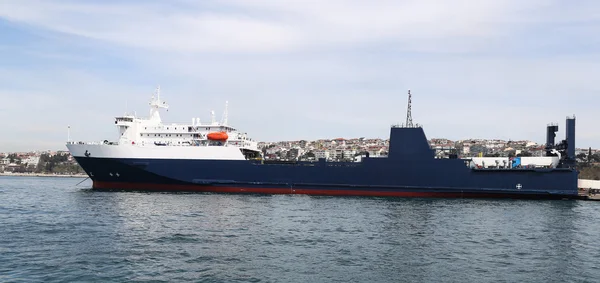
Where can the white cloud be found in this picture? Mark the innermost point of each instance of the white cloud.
(307, 69)
(275, 26)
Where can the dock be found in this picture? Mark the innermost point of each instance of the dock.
(589, 189)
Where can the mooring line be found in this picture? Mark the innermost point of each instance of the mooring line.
(82, 181)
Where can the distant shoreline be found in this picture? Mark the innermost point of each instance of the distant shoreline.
(43, 175)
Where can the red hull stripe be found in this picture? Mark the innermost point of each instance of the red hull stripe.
(324, 192)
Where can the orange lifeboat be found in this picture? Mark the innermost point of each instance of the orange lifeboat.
(217, 136)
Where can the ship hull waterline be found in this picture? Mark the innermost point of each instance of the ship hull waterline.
(117, 186)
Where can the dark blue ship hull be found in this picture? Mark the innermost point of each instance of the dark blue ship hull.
(373, 177)
(409, 171)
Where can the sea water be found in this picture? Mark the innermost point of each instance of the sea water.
(54, 231)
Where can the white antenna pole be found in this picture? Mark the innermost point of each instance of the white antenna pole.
(158, 92)
(212, 117)
(225, 114)
(68, 133)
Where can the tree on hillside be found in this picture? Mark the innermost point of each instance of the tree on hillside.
(50, 162)
(590, 172)
(13, 157)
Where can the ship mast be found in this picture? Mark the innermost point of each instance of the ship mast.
(225, 115)
(212, 117)
(155, 105)
(409, 123)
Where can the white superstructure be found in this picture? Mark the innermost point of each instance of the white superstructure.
(151, 138)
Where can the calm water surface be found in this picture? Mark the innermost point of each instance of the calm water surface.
(52, 231)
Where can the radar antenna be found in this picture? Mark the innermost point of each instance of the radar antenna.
(409, 123)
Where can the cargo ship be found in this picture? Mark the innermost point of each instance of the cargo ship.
(216, 157)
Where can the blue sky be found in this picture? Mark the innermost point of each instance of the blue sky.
(300, 69)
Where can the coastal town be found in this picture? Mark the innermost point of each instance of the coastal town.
(39, 162)
(341, 149)
(338, 149)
